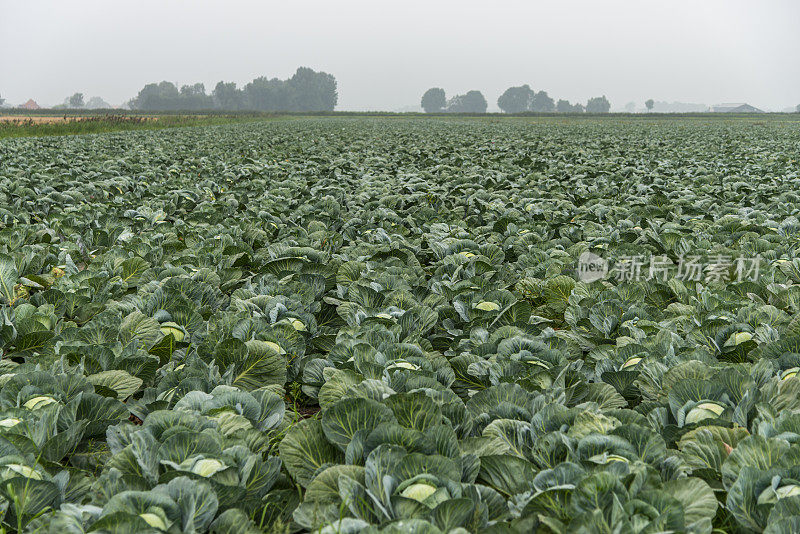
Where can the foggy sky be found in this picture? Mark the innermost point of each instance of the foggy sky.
(385, 54)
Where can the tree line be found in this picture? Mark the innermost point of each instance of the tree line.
(435, 101)
(514, 100)
(306, 90)
(77, 101)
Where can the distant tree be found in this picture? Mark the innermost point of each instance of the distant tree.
(434, 100)
(599, 104)
(312, 91)
(194, 98)
(649, 104)
(76, 101)
(542, 102)
(630, 107)
(563, 106)
(471, 102)
(226, 96)
(3, 101)
(516, 99)
(97, 103)
(157, 96)
(797, 109)
(267, 94)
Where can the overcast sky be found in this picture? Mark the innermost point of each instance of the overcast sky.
(385, 54)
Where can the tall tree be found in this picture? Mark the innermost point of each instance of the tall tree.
(434, 100)
(312, 91)
(516, 99)
(2, 101)
(598, 104)
(194, 98)
(542, 103)
(471, 102)
(797, 109)
(267, 95)
(649, 104)
(157, 97)
(227, 97)
(76, 101)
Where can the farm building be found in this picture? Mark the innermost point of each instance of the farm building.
(735, 108)
(30, 104)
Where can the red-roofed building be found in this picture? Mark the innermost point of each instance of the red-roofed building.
(30, 104)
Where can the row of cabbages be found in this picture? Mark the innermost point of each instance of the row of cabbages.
(376, 326)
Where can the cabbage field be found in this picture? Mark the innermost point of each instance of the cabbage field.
(403, 325)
